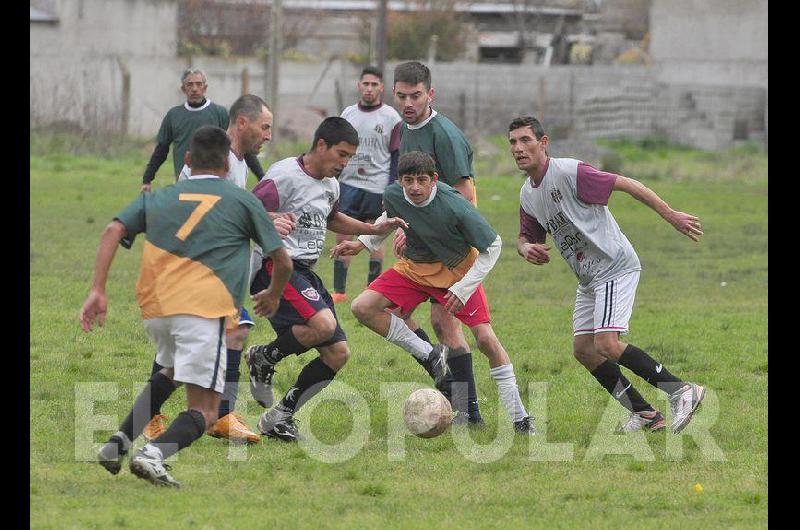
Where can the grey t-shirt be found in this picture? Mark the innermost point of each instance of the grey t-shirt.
(571, 205)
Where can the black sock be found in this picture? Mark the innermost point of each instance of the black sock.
(339, 276)
(419, 332)
(463, 393)
(156, 368)
(231, 390)
(610, 376)
(375, 267)
(147, 405)
(314, 376)
(638, 362)
(153, 371)
(284, 345)
(187, 427)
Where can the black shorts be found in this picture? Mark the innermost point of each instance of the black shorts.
(303, 297)
(360, 204)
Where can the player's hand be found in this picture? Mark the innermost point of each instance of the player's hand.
(399, 246)
(284, 225)
(536, 253)
(384, 227)
(347, 248)
(266, 303)
(686, 224)
(94, 310)
(453, 305)
(147, 187)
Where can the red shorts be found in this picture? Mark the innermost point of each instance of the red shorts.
(408, 295)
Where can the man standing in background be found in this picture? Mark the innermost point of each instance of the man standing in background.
(182, 121)
(374, 167)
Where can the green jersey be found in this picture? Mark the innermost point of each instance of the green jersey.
(444, 230)
(182, 121)
(440, 138)
(197, 248)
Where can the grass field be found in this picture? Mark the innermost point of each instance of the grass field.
(701, 309)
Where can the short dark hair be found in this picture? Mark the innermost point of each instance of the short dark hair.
(248, 105)
(333, 130)
(371, 70)
(412, 72)
(416, 163)
(209, 147)
(528, 121)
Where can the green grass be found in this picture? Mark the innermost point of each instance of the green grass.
(702, 330)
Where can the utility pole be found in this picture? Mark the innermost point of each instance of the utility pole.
(273, 64)
(382, 37)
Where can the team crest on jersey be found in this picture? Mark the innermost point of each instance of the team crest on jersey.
(379, 129)
(329, 196)
(311, 293)
(555, 194)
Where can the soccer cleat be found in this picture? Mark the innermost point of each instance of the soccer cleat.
(155, 428)
(280, 425)
(339, 297)
(525, 426)
(683, 404)
(652, 420)
(261, 372)
(110, 457)
(233, 427)
(437, 365)
(148, 464)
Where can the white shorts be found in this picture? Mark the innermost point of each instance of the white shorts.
(194, 346)
(605, 308)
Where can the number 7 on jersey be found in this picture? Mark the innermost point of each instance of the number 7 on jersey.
(206, 203)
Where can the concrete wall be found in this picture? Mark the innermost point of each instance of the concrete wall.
(77, 65)
(77, 75)
(714, 42)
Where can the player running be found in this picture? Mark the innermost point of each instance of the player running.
(450, 248)
(568, 199)
(305, 186)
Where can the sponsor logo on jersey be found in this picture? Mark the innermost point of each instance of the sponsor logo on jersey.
(311, 293)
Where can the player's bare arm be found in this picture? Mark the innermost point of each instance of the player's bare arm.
(347, 248)
(344, 224)
(536, 253)
(465, 188)
(266, 302)
(96, 304)
(686, 224)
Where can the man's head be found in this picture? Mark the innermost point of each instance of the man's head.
(193, 84)
(370, 86)
(416, 172)
(208, 152)
(412, 91)
(528, 143)
(335, 143)
(250, 123)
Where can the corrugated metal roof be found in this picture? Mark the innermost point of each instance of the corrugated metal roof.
(499, 39)
(462, 7)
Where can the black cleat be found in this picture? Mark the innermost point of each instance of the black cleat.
(110, 457)
(525, 426)
(261, 373)
(437, 366)
(276, 424)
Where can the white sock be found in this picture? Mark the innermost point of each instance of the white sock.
(509, 393)
(401, 335)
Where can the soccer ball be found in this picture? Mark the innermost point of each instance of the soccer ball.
(427, 413)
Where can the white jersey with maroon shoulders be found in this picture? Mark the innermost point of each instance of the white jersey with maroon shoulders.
(237, 173)
(288, 188)
(369, 168)
(571, 204)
